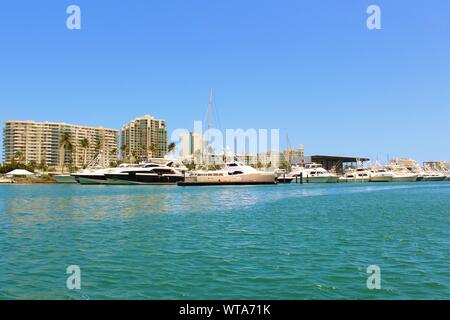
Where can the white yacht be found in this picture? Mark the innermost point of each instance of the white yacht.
(434, 171)
(433, 176)
(96, 175)
(401, 173)
(313, 173)
(356, 175)
(380, 174)
(412, 166)
(232, 173)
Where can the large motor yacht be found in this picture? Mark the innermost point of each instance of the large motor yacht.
(313, 173)
(96, 175)
(233, 173)
(149, 173)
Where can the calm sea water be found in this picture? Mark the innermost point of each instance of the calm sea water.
(263, 242)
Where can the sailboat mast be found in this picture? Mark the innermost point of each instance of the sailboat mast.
(210, 108)
(209, 116)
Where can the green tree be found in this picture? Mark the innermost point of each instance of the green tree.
(135, 155)
(283, 164)
(84, 143)
(171, 147)
(123, 151)
(19, 157)
(65, 143)
(152, 148)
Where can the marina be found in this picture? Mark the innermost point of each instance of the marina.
(237, 173)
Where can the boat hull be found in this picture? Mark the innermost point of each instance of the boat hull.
(64, 179)
(91, 179)
(142, 179)
(241, 179)
(353, 180)
(319, 179)
(433, 178)
(333, 179)
(405, 179)
(381, 179)
(284, 179)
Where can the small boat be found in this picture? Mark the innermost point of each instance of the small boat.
(232, 173)
(282, 176)
(285, 179)
(6, 180)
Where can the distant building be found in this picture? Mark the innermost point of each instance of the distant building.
(192, 145)
(40, 143)
(295, 157)
(144, 138)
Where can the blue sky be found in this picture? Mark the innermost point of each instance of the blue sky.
(310, 68)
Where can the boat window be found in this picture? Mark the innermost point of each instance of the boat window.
(162, 171)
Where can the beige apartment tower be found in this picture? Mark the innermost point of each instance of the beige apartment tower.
(40, 143)
(144, 138)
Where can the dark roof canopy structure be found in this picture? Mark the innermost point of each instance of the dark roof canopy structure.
(334, 163)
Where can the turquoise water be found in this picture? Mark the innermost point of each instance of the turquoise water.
(246, 242)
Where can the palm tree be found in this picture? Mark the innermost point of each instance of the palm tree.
(19, 156)
(135, 155)
(152, 149)
(98, 145)
(123, 151)
(64, 143)
(144, 153)
(113, 155)
(84, 143)
(171, 147)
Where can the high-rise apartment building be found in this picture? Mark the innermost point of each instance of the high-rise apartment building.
(144, 138)
(192, 144)
(41, 143)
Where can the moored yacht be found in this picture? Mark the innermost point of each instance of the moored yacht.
(313, 173)
(401, 174)
(145, 174)
(433, 176)
(356, 175)
(232, 173)
(96, 175)
(380, 174)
